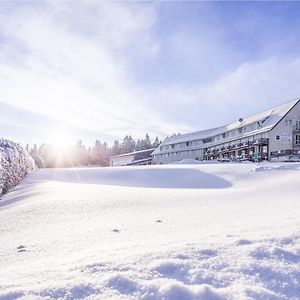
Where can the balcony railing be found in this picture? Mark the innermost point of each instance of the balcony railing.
(262, 141)
(296, 128)
(239, 146)
(296, 143)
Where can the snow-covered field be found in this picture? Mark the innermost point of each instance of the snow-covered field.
(215, 231)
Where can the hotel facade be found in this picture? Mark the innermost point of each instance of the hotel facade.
(267, 135)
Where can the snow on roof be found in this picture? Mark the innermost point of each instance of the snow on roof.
(267, 120)
(198, 135)
(135, 152)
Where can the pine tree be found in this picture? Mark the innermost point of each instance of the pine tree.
(116, 148)
(80, 155)
(100, 154)
(34, 150)
(138, 145)
(128, 145)
(156, 143)
(146, 143)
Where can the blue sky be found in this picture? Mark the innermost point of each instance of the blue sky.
(87, 70)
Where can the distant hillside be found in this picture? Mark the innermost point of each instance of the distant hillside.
(15, 163)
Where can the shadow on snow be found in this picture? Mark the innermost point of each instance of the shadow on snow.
(180, 178)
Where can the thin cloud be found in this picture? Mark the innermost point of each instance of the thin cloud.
(77, 78)
(109, 69)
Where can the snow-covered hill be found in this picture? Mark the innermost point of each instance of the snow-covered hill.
(15, 163)
(216, 231)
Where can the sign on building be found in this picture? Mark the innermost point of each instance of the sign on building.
(285, 136)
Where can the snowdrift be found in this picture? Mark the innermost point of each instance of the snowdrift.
(170, 177)
(15, 163)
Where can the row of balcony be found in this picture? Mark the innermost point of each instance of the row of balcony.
(246, 145)
(248, 156)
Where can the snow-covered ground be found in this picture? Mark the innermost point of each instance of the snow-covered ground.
(215, 231)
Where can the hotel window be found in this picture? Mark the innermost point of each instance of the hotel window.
(207, 140)
(288, 122)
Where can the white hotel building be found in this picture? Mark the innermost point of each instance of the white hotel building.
(269, 134)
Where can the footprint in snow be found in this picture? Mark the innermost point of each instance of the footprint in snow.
(243, 242)
(21, 248)
(231, 235)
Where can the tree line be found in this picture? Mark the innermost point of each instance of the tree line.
(49, 156)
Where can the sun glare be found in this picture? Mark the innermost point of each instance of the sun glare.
(62, 142)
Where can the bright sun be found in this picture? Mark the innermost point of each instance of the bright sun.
(62, 142)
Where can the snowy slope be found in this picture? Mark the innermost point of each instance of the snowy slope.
(215, 231)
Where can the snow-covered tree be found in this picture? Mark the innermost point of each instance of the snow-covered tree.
(15, 163)
(100, 154)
